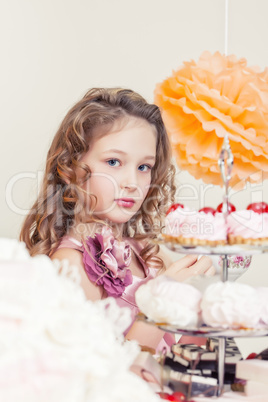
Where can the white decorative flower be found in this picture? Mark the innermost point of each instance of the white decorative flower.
(55, 345)
(12, 250)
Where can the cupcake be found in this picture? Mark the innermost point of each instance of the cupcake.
(188, 227)
(247, 227)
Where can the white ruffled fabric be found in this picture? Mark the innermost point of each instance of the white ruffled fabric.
(54, 344)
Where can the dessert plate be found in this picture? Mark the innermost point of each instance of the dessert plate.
(241, 249)
(207, 331)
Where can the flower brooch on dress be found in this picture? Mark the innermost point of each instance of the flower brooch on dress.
(106, 260)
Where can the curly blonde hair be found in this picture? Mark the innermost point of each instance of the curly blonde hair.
(61, 202)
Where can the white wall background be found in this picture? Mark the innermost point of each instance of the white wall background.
(52, 51)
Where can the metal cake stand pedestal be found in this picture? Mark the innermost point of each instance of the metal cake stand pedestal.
(225, 163)
(218, 332)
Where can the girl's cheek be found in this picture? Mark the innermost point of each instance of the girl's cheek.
(147, 185)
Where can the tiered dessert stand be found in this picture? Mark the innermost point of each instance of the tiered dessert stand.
(225, 164)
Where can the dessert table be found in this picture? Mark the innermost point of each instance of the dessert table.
(233, 397)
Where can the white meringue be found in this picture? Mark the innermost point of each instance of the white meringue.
(231, 305)
(263, 295)
(165, 300)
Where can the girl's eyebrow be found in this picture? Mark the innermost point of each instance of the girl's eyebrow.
(118, 151)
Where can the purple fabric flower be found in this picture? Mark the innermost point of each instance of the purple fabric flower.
(105, 260)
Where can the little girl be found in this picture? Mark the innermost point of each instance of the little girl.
(107, 185)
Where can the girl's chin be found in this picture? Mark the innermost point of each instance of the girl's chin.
(115, 219)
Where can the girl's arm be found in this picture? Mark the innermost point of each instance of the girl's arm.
(190, 265)
(145, 334)
(187, 266)
(75, 257)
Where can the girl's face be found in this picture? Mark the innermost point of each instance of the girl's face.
(121, 163)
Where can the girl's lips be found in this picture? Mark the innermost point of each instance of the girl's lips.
(125, 202)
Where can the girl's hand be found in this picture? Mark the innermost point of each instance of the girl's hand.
(190, 266)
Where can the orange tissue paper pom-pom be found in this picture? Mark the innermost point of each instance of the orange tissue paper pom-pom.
(202, 102)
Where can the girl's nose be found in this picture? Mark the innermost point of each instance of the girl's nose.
(128, 185)
(129, 181)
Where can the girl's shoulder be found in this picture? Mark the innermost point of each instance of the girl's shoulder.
(70, 242)
(69, 248)
(75, 258)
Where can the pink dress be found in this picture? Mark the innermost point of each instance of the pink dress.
(128, 297)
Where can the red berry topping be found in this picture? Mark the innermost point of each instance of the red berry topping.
(231, 208)
(175, 397)
(208, 210)
(259, 207)
(174, 207)
(251, 356)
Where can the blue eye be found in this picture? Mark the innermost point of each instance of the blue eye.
(144, 168)
(113, 162)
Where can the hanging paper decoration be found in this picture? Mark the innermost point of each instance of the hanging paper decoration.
(205, 100)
